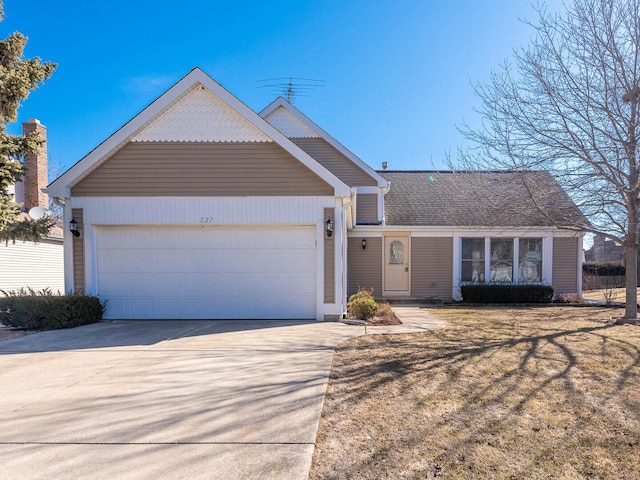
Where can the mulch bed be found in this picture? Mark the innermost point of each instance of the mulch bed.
(7, 333)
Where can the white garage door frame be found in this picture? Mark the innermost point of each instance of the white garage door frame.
(230, 271)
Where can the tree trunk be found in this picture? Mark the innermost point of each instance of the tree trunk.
(631, 264)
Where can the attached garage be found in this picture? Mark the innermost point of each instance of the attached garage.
(208, 272)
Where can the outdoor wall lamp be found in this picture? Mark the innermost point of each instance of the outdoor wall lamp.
(364, 243)
(73, 227)
(328, 227)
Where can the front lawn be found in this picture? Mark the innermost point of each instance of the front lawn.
(501, 393)
(612, 294)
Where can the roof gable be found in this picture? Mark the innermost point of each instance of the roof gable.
(200, 116)
(289, 125)
(236, 121)
(291, 122)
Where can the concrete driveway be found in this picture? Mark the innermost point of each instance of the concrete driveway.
(166, 399)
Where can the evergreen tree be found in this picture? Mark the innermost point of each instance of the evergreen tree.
(18, 77)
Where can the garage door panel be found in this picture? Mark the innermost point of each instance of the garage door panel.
(110, 238)
(243, 240)
(211, 272)
(194, 284)
(300, 261)
(244, 284)
(196, 260)
(168, 260)
(273, 260)
(140, 259)
(200, 241)
(297, 304)
(274, 284)
(306, 239)
(270, 239)
(117, 307)
(245, 260)
(111, 260)
(140, 284)
(141, 308)
(114, 283)
(169, 305)
(165, 238)
(196, 307)
(142, 238)
(222, 285)
(220, 261)
(300, 284)
(165, 284)
(219, 238)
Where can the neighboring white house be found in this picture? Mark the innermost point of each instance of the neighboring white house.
(28, 264)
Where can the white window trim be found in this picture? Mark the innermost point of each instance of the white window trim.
(547, 256)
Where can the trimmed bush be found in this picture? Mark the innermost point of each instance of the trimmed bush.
(362, 305)
(45, 311)
(604, 269)
(506, 293)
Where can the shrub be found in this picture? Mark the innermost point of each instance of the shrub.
(506, 293)
(603, 269)
(42, 310)
(569, 298)
(362, 305)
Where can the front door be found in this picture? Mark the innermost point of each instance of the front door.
(396, 266)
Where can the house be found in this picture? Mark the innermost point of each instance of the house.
(199, 207)
(604, 250)
(27, 264)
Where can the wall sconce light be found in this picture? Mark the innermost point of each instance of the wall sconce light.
(328, 227)
(364, 243)
(73, 227)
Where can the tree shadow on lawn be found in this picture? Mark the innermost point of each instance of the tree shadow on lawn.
(489, 398)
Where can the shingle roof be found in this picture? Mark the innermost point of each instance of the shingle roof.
(490, 199)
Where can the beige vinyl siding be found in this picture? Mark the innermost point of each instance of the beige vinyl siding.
(431, 267)
(364, 267)
(334, 161)
(201, 169)
(367, 208)
(78, 252)
(34, 265)
(329, 261)
(565, 265)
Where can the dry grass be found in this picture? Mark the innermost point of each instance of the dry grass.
(616, 294)
(530, 393)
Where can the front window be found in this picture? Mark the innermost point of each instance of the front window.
(473, 259)
(501, 260)
(530, 261)
(510, 260)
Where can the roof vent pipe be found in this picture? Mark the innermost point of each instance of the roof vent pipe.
(384, 166)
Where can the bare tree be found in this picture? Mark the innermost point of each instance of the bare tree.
(570, 104)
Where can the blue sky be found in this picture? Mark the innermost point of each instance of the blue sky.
(397, 74)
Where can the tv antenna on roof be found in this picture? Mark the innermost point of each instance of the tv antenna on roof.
(291, 87)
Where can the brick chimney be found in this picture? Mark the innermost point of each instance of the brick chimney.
(36, 168)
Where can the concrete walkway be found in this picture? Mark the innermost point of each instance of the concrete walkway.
(170, 399)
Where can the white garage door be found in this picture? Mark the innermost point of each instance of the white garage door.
(207, 272)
